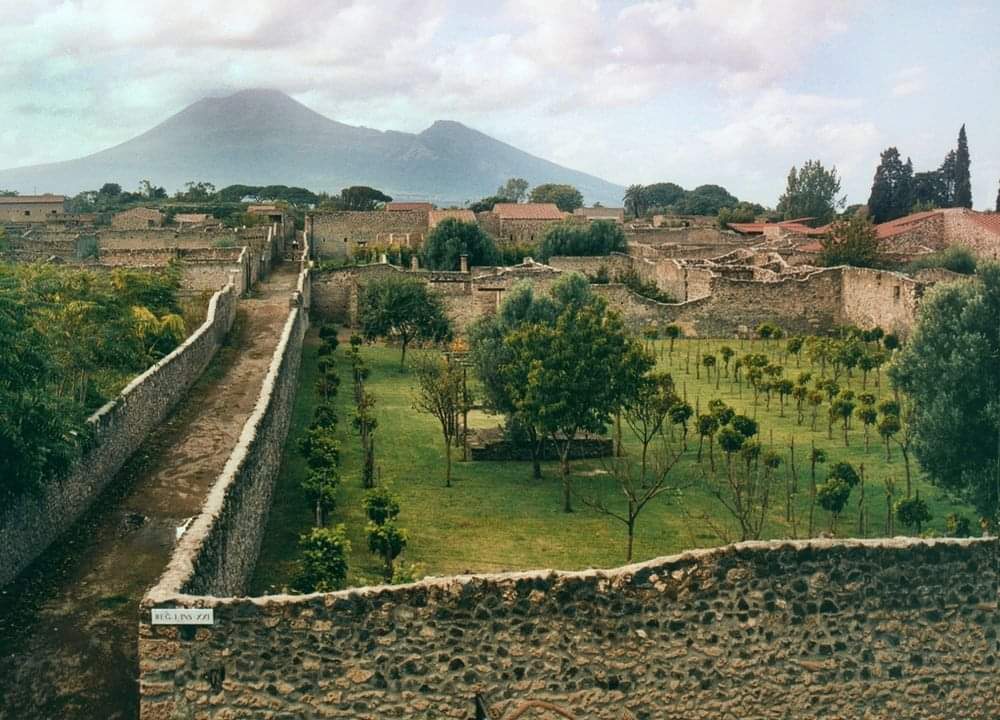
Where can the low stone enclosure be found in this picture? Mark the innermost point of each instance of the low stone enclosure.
(719, 298)
(491, 444)
(902, 628)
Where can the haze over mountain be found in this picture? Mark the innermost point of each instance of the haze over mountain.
(261, 137)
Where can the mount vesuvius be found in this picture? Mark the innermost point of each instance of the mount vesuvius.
(262, 137)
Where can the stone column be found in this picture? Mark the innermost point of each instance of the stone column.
(463, 263)
(414, 263)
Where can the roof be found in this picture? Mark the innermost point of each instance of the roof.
(527, 211)
(990, 221)
(903, 224)
(401, 206)
(436, 216)
(21, 199)
(192, 217)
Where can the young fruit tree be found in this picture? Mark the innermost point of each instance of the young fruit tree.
(402, 309)
(323, 566)
(441, 394)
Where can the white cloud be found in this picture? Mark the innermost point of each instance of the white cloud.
(909, 81)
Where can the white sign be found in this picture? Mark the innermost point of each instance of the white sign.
(183, 616)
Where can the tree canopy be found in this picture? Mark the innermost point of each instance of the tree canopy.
(566, 197)
(951, 370)
(514, 190)
(362, 197)
(812, 192)
(892, 190)
(851, 241)
(570, 238)
(453, 238)
(403, 309)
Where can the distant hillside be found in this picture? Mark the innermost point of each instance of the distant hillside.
(261, 137)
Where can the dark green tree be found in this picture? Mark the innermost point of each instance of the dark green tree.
(963, 178)
(892, 189)
(950, 369)
(663, 195)
(851, 242)
(402, 309)
(514, 190)
(362, 197)
(566, 197)
(451, 239)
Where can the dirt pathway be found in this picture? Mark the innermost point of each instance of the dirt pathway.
(68, 624)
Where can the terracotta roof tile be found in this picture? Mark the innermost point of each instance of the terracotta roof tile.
(436, 216)
(900, 225)
(990, 221)
(528, 211)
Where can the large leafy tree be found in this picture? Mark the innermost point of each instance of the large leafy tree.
(705, 200)
(635, 200)
(563, 376)
(453, 238)
(402, 309)
(514, 190)
(951, 371)
(892, 189)
(362, 197)
(812, 192)
(566, 197)
(665, 194)
(930, 189)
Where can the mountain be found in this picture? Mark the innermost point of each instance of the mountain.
(263, 137)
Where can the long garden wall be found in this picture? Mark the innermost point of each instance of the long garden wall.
(902, 628)
(29, 524)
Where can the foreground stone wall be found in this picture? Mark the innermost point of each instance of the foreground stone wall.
(902, 629)
(886, 299)
(30, 523)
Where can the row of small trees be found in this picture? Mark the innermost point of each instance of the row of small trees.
(324, 549)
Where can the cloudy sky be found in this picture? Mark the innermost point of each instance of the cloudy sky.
(692, 91)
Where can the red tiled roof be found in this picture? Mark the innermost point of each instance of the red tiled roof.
(528, 211)
(900, 225)
(16, 199)
(436, 216)
(990, 221)
(400, 206)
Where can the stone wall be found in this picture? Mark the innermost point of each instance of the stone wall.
(337, 234)
(902, 629)
(875, 297)
(961, 228)
(30, 523)
(217, 553)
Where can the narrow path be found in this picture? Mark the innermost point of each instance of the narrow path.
(68, 624)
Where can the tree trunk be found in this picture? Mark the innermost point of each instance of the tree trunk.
(447, 461)
(564, 471)
(618, 434)
(906, 464)
(402, 356)
(631, 537)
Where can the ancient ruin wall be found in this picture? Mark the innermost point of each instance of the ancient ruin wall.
(961, 228)
(30, 523)
(878, 298)
(218, 552)
(336, 234)
(902, 628)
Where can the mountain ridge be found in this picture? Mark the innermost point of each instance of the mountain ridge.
(263, 137)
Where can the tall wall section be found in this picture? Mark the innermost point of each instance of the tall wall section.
(888, 300)
(902, 628)
(31, 522)
(337, 234)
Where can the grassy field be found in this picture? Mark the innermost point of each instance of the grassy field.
(496, 517)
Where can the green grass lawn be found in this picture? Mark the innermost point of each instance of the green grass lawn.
(495, 517)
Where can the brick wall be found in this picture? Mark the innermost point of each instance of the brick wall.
(902, 629)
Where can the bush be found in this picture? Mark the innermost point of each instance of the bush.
(324, 559)
(957, 259)
(453, 238)
(913, 512)
(380, 505)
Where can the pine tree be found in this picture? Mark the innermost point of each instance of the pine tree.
(892, 189)
(963, 179)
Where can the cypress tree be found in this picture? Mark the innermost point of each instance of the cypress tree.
(963, 179)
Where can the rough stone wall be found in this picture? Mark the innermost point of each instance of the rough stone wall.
(116, 239)
(921, 237)
(337, 234)
(878, 298)
(29, 524)
(615, 263)
(961, 229)
(902, 629)
(685, 236)
(522, 231)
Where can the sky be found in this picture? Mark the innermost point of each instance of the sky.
(688, 91)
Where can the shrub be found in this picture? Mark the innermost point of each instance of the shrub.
(957, 259)
(324, 559)
(576, 239)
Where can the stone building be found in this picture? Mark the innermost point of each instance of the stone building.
(193, 219)
(31, 208)
(342, 233)
(616, 215)
(520, 222)
(925, 232)
(137, 219)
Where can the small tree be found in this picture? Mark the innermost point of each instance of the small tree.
(851, 241)
(647, 411)
(403, 309)
(324, 559)
(816, 457)
(707, 425)
(727, 354)
(832, 496)
(671, 332)
(913, 512)
(680, 413)
(387, 541)
(843, 407)
(440, 393)
(380, 505)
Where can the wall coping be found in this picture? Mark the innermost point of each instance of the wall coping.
(161, 595)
